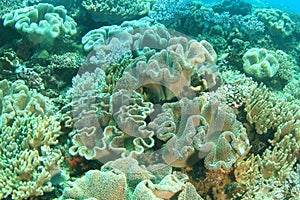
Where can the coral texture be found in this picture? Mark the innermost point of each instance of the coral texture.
(41, 23)
(278, 23)
(126, 179)
(129, 36)
(28, 134)
(260, 63)
(164, 79)
(168, 11)
(114, 12)
(200, 127)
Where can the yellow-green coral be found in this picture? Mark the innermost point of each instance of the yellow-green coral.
(29, 132)
(269, 175)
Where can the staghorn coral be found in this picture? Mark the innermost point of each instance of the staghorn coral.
(41, 23)
(114, 12)
(29, 132)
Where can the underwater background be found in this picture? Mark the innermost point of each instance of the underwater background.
(150, 99)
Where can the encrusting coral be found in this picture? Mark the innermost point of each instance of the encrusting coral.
(29, 132)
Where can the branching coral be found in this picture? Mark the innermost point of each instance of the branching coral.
(168, 11)
(269, 175)
(267, 112)
(29, 132)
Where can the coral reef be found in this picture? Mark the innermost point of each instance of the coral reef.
(235, 7)
(202, 127)
(114, 12)
(106, 108)
(168, 11)
(165, 81)
(111, 41)
(9, 62)
(41, 23)
(260, 63)
(126, 179)
(271, 175)
(278, 23)
(28, 133)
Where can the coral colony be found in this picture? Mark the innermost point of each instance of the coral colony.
(149, 100)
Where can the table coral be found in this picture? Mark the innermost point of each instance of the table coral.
(41, 23)
(29, 132)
